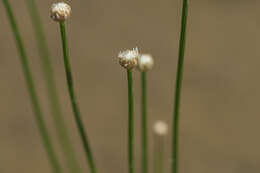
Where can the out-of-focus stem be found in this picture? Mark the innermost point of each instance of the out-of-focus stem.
(32, 92)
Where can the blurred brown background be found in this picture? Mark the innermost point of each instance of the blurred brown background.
(220, 105)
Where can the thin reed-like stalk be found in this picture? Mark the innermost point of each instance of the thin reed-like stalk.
(62, 132)
(130, 121)
(144, 124)
(160, 132)
(177, 99)
(32, 92)
(74, 103)
(159, 154)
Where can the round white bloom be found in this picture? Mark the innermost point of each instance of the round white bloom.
(60, 11)
(160, 128)
(145, 62)
(129, 58)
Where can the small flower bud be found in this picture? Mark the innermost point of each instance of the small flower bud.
(160, 128)
(129, 58)
(60, 11)
(145, 62)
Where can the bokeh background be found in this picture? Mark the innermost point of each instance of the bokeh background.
(219, 131)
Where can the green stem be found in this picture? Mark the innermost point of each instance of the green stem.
(130, 121)
(61, 129)
(177, 99)
(144, 124)
(159, 154)
(32, 91)
(75, 107)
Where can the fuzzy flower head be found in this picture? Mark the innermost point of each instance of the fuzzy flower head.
(60, 11)
(160, 128)
(145, 62)
(129, 58)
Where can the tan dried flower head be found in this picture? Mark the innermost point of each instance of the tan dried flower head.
(145, 62)
(60, 11)
(160, 128)
(129, 58)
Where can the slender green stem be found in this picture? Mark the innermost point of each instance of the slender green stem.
(177, 99)
(159, 154)
(75, 107)
(130, 121)
(32, 91)
(144, 124)
(64, 140)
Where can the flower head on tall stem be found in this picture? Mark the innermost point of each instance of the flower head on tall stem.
(160, 129)
(145, 62)
(129, 58)
(63, 137)
(60, 11)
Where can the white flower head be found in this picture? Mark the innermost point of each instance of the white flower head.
(129, 58)
(145, 62)
(60, 11)
(160, 128)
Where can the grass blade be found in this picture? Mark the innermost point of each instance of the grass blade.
(32, 91)
(177, 99)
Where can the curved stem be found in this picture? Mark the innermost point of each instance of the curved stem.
(144, 124)
(62, 132)
(177, 99)
(75, 107)
(32, 91)
(130, 121)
